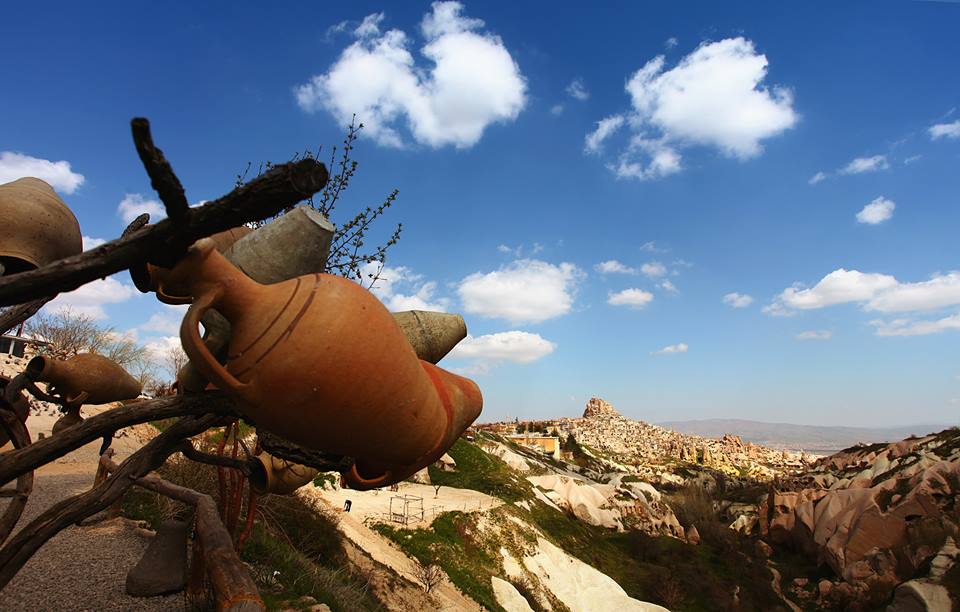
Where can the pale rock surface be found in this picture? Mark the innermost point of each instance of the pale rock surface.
(918, 596)
(579, 586)
(508, 596)
(586, 501)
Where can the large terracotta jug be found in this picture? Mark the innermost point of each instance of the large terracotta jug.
(85, 378)
(38, 228)
(318, 360)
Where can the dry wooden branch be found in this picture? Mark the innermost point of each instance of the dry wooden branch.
(44, 451)
(163, 243)
(233, 587)
(194, 455)
(162, 178)
(14, 316)
(74, 509)
(20, 437)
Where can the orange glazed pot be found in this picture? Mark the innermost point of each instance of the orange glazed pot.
(85, 378)
(318, 360)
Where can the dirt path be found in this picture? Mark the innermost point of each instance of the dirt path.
(81, 568)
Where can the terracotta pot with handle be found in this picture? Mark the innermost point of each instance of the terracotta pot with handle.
(85, 378)
(318, 360)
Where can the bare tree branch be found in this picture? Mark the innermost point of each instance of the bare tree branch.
(162, 178)
(14, 316)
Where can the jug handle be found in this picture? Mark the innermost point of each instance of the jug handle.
(197, 350)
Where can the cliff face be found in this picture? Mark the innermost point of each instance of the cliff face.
(597, 407)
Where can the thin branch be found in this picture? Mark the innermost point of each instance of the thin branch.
(44, 451)
(193, 454)
(164, 242)
(162, 178)
(20, 437)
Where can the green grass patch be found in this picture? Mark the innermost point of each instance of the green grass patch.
(451, 542)
(482, 472)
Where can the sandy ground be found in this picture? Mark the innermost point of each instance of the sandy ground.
(81, 568)
(376, 504)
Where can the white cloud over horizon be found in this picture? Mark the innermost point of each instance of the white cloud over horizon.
(865, 164)
(872, 291)
(471, 81)
(714, 97)
(524, 291)
(512, 346)
(631, 298)
(91, 298)
(59, 174)
(877, 211)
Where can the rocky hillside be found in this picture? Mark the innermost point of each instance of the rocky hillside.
(879, 519)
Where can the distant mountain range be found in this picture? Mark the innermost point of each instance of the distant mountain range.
(790, 436)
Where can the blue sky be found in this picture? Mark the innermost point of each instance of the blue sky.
(691, 210)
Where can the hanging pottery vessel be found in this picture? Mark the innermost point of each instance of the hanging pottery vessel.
(70, 419)
(278, 476)
(148, 277)
(432, 334)
(38, 228)
(318, 360)
(85, 378)
(21, 408)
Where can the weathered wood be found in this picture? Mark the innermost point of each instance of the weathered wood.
(194, 455)
(164, 242)
(232, 584)
(20, 548)
(162, 178)
(20, 437)
(48, 449)
(15, 315)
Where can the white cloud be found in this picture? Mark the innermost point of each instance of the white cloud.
(823, 334)
(577, 90)
(525, 291)
(512, 346)
(166, 321)
(838, 287)
(59, 173)
(865, 164)
(399, 288)
(605, 128)
(673, 349)
(470, 82)
(875, 292)
(877, 211)
(737, 300)
(817, 178)
(90, 299)
(713, 97)
(668, 286)
(945, 130)
(632, 298)
(671, 42)
(556, 110)
(653, 269)
(161, 347)
(133, 205)
(613, 266)
(92, 243)
(651, 247)
(913, 158)
(940, 291)
(907, 327)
